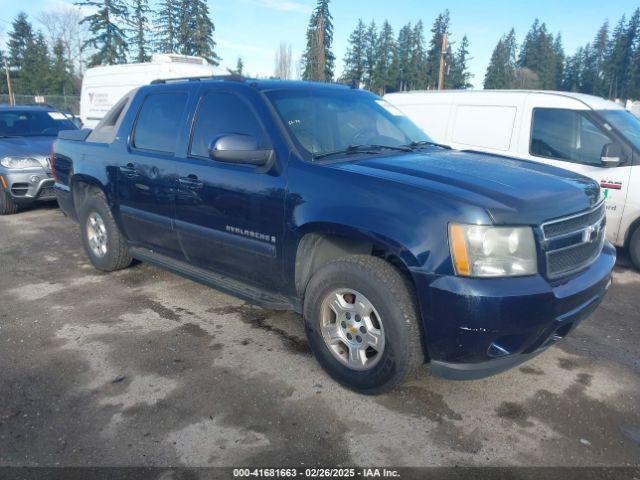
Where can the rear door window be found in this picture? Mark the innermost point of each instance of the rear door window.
(159, 121)
(567, 135)
(223, 113)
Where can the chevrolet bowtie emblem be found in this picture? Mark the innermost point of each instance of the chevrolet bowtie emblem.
(590, 234)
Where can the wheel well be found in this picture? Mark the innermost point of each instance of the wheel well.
(81, 191)
(630, 231)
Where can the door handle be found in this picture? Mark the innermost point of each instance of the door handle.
(129, 170)
(191, 182)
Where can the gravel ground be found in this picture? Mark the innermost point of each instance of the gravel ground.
(142, 367)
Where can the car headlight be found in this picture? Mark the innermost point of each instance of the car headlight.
(19, 162)
(485, 251)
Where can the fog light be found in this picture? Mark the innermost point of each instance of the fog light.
(35, 179)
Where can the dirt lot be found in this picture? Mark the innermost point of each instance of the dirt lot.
(142, 367)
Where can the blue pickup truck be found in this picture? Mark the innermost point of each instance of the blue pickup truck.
(326, 200)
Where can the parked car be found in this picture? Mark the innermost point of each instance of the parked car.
(26, 136)
(328, 201)
(582, 133)
(104, 86)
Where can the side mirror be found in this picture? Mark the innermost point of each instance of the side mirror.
(237, 148)
(611, 155)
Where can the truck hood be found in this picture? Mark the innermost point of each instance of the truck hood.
(511, 191)
(34, 147)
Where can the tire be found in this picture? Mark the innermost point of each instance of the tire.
(7, 205)
(110, 252)
(391, 300)
(634, 249)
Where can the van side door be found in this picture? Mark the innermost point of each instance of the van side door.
(230, 216)
(145, 185)
(574, 140)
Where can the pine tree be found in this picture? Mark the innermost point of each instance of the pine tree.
(402, 67)
(459, 74)
(439, 29)
(239, 67)
(384, 74)
(38, 66)
(167, 22)
(195, 31)
(318, 59)
(61, 78)
(618, 59)
(355, 60)
(371, 46)
(558, 59)
(108, 38)
(22, 48)
(417, 68)
(539, 55)
(139, 28)
(502, 67)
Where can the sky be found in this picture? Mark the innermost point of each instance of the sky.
(253, 29)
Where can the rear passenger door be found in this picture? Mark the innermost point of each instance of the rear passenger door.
(146, 178)
(230, 217)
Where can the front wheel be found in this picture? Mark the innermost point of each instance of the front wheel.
(362, 324)
(634, 248)
(7, 205)
(102, 241)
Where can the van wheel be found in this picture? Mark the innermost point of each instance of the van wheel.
(102, 241)
(634, 248)
(7, 205)
(362, 324)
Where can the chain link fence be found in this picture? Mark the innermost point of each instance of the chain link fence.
(66, 103)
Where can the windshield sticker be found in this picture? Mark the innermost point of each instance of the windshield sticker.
(390, 108)
(57, 115)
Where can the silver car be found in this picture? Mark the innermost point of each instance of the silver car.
(26, 136)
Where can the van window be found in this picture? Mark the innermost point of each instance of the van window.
(159, 122)
(484, 126)
(223, 113)
(567, 135)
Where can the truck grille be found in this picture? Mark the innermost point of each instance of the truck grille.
(574, 242)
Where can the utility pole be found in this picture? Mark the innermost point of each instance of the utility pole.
(12, 98)
(443, 63)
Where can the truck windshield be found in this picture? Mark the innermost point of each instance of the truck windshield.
(33, 123)
(329, 122)
(626, 123)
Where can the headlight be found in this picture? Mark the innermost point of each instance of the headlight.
(483, 251)
(19, 162)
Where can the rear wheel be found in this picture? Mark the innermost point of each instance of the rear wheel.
(7, 205)
(362, 324)
(634, 248)
(102, 241)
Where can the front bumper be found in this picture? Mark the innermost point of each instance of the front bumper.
(28, 185)
(479, 327)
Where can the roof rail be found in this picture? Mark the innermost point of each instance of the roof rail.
(224, 78)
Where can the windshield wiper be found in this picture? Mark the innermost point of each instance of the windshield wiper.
(424, 143)
(364, 148)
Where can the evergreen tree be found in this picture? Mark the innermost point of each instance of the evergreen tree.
(108, 38)
(139, 28)
(21, 39)
(239, 67)
(195, 31)
(402, 66)
(502, 67)
(384, 74)
(371, 47)
(416, 74)
(558, 59)
(595, 62)
(574, 70)
(61, 81)
(167, 22)
(539, 55)
(37, 67)
(439, 29)
(459, 74)
(355, 60)
(318, 59)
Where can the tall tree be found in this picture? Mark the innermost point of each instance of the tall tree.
(283, 62)
(63, 23)
(371, 47)
(239, 67)
(108, 38)
(384, 75)
(405, 72)
(439, 29)
(139, 28)
(168, 23)
(417, 69)
(318, 58)
(195, 31)
(355, 60)
(459, 76)
(502, 66)
(61, 79)
(21, 53)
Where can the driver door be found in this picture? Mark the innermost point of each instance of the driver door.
(570, 139)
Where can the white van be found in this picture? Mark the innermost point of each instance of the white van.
(582, 133)
(102, 87)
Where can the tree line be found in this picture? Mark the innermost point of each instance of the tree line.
(608, 66)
